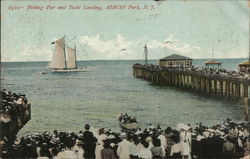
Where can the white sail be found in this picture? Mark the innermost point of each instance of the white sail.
(58, 59)
(71, 55)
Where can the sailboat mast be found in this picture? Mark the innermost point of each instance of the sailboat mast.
(146, 54)
(64, 48)
(212, 54)
(75, 53)
(249, 29)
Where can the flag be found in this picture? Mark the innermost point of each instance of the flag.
(53, 42)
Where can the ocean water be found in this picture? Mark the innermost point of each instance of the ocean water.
(67, 101)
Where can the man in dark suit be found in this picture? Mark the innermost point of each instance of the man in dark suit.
(89, 143)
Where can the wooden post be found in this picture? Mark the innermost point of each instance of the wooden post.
(245, 91)
(190, 81)
(228, 89)
(221, 87)
(215, 86)
(224, 88)
(201, 83)
(208, 85)
(234, 89)
(212, 86)
(246, 108)
(237, 89)
(196, 84)
(241, 90)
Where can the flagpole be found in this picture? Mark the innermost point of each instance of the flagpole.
(249, 28)
(65, 52)
(146, 54)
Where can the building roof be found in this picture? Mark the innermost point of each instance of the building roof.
(212, 62)
(246, 63)
(175, 57)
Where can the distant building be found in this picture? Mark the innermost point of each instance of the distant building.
(175, 60)
(244, 66)
(213, 64)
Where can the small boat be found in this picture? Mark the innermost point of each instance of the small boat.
(64, 58)
(43, 73)
(126, 122)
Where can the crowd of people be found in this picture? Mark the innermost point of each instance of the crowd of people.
(14, 111)
(220, 71)
(205, 71)
(227, 140)
(125, 118)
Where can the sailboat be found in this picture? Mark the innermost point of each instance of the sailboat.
(64, 58)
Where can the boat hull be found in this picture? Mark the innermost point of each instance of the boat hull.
(75, 70)
(130, 126)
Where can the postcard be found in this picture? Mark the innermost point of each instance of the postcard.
(125, 79)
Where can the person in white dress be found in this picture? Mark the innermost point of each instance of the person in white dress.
(100, 138)
(186, 141)
(163, 139)
(67, 154)
(78, 150)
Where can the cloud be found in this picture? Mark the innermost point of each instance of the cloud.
(174, 44)
(31, 53)
(121, 48)
(117, 48)
(5, 54)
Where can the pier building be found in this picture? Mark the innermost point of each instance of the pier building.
(244, 66)
(213, 64)
(176, 60)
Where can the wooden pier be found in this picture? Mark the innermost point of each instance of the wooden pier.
(199, 81)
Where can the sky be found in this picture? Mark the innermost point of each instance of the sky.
(190, 28)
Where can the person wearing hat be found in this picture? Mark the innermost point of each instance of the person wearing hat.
(163, 139)
(43, 154)
(134, 148)
(185, 140)
(17, 150)
(30, 149)
(101, 137)
(78, 150)
(68, 153)
(89, 143)
(247, 147)
(176, 149)
(123, 147)
(228, 149)
(107, 152)
(145, 152)
(150, 141)
(156, 150)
